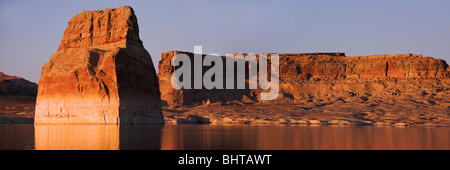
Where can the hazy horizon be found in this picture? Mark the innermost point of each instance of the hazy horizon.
(31, 31)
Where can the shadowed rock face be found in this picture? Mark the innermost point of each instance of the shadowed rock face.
(101, 74)
(325, 75)
(18, 86)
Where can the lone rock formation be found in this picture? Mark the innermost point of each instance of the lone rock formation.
(101, 74)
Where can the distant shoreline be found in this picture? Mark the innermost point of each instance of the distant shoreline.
(20, 110)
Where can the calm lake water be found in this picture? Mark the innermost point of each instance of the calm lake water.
(222, 137)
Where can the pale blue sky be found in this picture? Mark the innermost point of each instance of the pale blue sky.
(30, 31)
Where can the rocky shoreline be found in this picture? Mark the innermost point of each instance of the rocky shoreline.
(17, 109)
(215, 114)
(300, 114)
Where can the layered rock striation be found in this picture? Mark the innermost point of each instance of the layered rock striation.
(324, 75)
(100, 74)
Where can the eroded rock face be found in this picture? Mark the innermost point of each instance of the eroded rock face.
(101, 74)
(326, 66)
(324, 75)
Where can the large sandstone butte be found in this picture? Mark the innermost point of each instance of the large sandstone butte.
(101, 74)
(317, 75)
(323, 87)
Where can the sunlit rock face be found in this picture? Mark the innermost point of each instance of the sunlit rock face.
(101, 74)
(305, 76)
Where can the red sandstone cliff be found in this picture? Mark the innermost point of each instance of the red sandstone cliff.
(327, 66)
(101, 74)
(312, 75)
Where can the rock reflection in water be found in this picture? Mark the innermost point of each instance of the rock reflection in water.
(238, 137)
(97, 137)
(76, 137)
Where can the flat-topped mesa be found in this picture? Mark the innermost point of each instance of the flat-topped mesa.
(378, 66)
(315, 54)
(337, 65)
(101, 74)
(300, 72)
